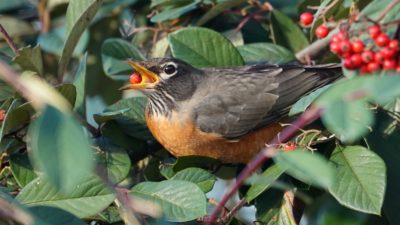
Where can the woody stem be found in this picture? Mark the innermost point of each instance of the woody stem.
(266, 153)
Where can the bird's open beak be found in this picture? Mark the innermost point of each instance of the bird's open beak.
(149, 79)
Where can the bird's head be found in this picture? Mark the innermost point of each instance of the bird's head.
(159, 72)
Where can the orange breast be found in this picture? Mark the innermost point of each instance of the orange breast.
(182, 138)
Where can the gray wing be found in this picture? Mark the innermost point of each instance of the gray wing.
(245, 100)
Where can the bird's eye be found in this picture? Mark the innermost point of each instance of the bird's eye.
(169, 69)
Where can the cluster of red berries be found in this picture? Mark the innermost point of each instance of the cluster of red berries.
(381, 54)
(306, 20)
(135, 78)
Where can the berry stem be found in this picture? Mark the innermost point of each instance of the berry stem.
(266, 153)
(8, 39)
(388, 8)
(314, 49)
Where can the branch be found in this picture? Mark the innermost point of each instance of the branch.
(313, 50)
(266, 153)
(9, 211)
(129, 205)
(388, 8)
(9, 75)
(8, 39)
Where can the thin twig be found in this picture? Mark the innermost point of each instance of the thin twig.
(388, 8)
(9, 211)
(266, 153)
(9, 75)
(234, 210)
(312, 50)
(44, 16)
(8, 39)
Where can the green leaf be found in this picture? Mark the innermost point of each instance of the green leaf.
(60, 149)
(234, 36)
(114, 53)
(12, 119)
(42, 93)
(54, 216)
(385, 142)
(264, 182)
(112, 160)
(203, 47)
(80, 83)
(265, 52)
(275, 208)
(202, 178)
(5, 91)
(349, 121)
(180, 201)
(107, 116)
(52, 40)
(218, 9)
(383, 90)
(137, 149)
(12, 5)
(306, 166)
(327, 211)
(79, 15)
(21, 169)
(345, 103)
(185, 162)
(164, 3)
(361, 179)
(375, 9)
(30, 59)
(68, 91)
(130, 121)
(286, 33)
(302, 104)
(160, 48)
(173, 13)
(16, 27)
(87, 199)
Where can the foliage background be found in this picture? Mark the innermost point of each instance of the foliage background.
(73, 152)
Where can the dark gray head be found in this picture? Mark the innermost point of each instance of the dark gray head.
(165, 81)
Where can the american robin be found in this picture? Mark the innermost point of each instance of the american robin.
(223, 113)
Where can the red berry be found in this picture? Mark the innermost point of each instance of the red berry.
(345, 46)
(339, 37)
(290, 146)
(373, 66)
(348, 64)
(374, 31)
(356, 60)
(357, 46)
(2, 114)
(398, 69)
(321, 31)
(388, 53)
(335, 48)
(389, 64)
(306, 18)
(135, 78)
(379, 57)
(367, 56)
(394, 44)
(382, 40)
(364, 69)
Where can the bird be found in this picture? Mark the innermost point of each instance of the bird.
(224, 113)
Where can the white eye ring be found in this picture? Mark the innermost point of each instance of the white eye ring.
(169, 69)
